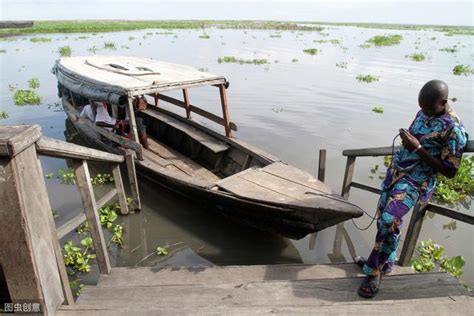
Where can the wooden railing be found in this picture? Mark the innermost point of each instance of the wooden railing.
(29, 202)
(419, 211)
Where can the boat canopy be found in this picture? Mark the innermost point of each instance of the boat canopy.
(111, 78)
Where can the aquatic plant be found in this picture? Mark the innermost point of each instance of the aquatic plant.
(452, 49)
(335, 41)
(465, 70)
(161, 251)
(109, 45)
(367, 78)
(342, 64)
(3, 115)
(294, 60)
(459, 189)
(377, 109)
(102, 178)
(277, 109)
(49, 175)
(275, 35)
(3, 50)
(77, 257)
(385, 40)
(92, 49)
(65, 51)
(34, 83)
(416, 57)
(365, 45)
(232, 59)
(67, 176)
(40, 39)
(26, 97)
(204, 36)
(82, 37)
(131, 38)
(311, 51)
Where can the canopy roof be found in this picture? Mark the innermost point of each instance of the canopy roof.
(110, 77)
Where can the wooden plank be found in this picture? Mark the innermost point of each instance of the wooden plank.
(296, 175)
(15, 138)
(132, 179)
(56, 148)
(225, 110)
(186, 103)
(365, 187)
(348, 173)
(106, 198)
(322, 165)
(173, 86)
(197, 110)
(367, 152)
(120, 191)
(438, 209)
(131, 120)
(88, 201)
(70, 225)
(199, 136)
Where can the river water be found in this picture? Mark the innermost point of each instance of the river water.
(289, 108)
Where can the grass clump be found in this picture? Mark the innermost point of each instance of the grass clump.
(65, 51)
(311, 51)
(465, 70)
(109, 45)
(385, 40)
(416, 57)
(367, 78)
(40, 39)
(233, 59)
(378, 109)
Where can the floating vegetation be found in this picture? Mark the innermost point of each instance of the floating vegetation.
(166, 33)
(3, 115)
(459, 189)
(385, 40)
(131, 38)
(102, 178)
(416, 57)
(342, 65)
(109, 45)
(65, 51)
(26, 97)
(232, 59)
(277, 109)
(465, 70)
(161, 251)
(149, 33)
(40, 39)
(311, 51)
(377, 109)
(365, 45)
(320, 41)
(93, 49)
(82, 37)
(294, 60)
(49, 175)
(34, 83)
(275, 35)
(453, 49)
(67, 176)
(334, 41)
(78, 258)
(203, 69)
(204, 36)
(367, 78)
(3, 50)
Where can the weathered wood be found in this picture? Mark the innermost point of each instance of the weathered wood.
(365, 187)
(132, 179)
(225, 110)
(438, 209)
(204, 139)
(71, 224)
(413, 232)
(27, 251)
(197, 110)
(88, 201)
(322, 165)
(186, 103)
(56, 148)
(348, 173)
(14, 139)
(367, 152)
(131, 120)
(120, 189)
(295, 175)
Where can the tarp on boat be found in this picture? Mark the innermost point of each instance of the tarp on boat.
(111, 77)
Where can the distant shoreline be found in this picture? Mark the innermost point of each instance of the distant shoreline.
(100, 26)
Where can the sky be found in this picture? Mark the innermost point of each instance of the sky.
(439, 12)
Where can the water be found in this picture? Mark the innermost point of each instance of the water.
(319, 106)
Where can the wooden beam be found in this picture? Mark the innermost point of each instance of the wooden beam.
(71, 224)
(120, 190)
(157, 100)
(322, 165)
(225, 110)
(413, 232)
(57, 148)
(186, 103)
(132, 179)
(88, 202)
(197, 110)
(131, 120)
(348, 173)
(438, 209)
(365, 187)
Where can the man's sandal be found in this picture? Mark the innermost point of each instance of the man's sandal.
(370, 286)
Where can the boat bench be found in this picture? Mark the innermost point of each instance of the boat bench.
(202, 138)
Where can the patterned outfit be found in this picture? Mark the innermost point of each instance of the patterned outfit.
(409, 179)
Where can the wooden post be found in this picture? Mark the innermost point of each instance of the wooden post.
(28, 249)
(120, 190)
(132, 179)
(322, 165)
(348, 173)
(131, 120)
(88, 201)
(186, 103)
(413, 232)
(225, 111)
(157, 100)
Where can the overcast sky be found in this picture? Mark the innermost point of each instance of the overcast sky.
(447, 12)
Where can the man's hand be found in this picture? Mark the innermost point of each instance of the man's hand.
(409, 141)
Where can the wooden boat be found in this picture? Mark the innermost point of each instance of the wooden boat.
(193, 159)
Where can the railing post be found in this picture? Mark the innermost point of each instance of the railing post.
(132, 179)
(88, 201)
(348, 173)
(186, 103)
(322, 165)
(413, 232)
(225, 110)
(131, 120)
(28, 249)
(120, 190)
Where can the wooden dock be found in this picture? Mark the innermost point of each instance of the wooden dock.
(281, 289)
